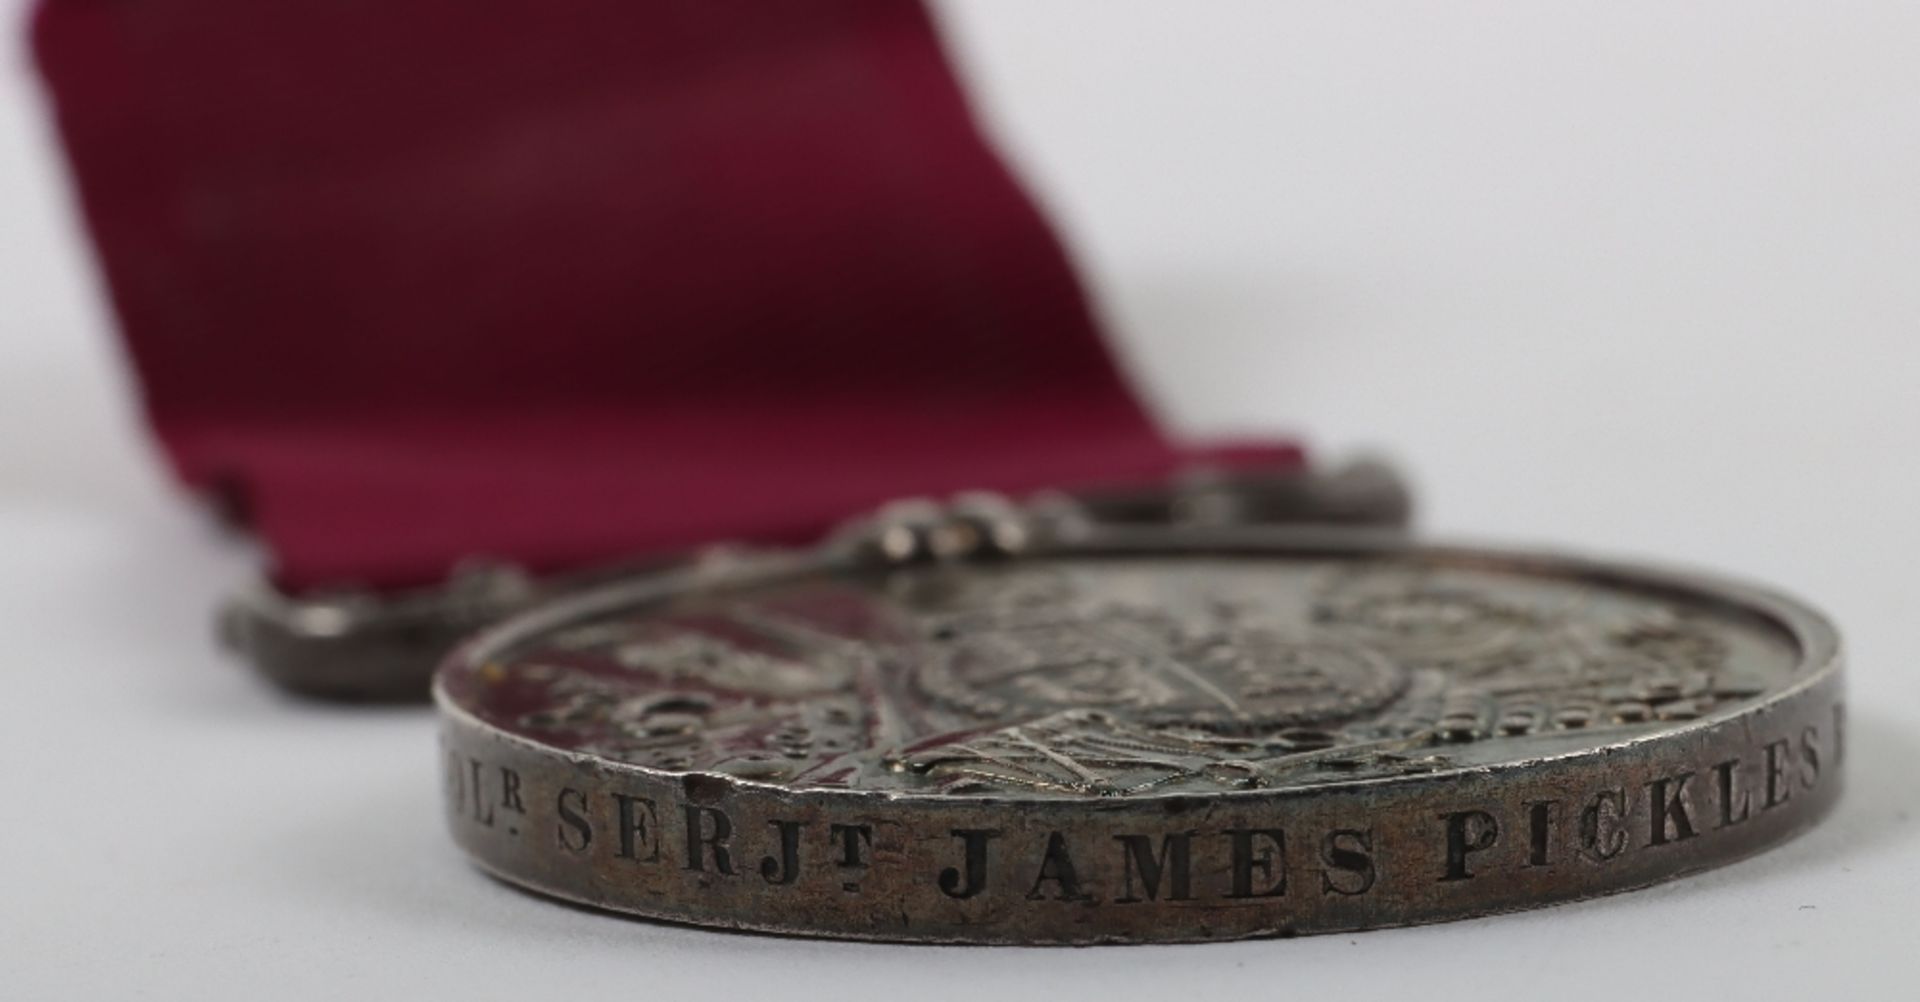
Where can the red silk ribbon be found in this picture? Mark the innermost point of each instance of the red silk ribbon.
(417, 280)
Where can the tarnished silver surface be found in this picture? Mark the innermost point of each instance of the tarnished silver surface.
(364, 645)
(1129, 734)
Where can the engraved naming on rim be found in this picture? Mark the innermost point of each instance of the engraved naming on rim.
(1093, 744)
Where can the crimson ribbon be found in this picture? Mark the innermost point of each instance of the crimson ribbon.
(415, 280)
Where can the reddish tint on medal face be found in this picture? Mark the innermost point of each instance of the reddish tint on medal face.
(662, 675)
(1115, 675)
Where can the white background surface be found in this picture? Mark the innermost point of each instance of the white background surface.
(1635, 277)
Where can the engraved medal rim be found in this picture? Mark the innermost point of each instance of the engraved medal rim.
(1417, 820)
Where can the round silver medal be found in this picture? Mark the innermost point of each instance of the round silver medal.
(1134, 735)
